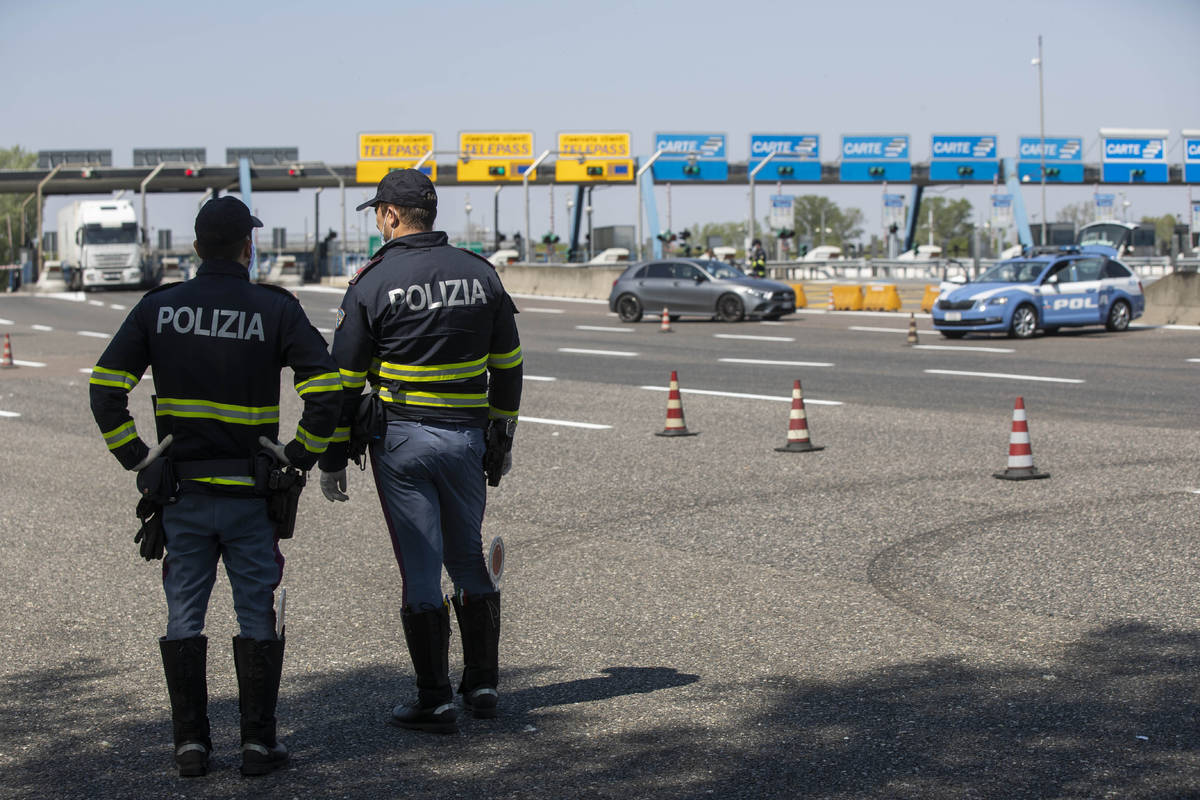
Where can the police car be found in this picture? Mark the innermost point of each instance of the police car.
(1068, 287)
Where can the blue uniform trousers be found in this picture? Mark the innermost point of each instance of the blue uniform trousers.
(432, 488)
(202, 528)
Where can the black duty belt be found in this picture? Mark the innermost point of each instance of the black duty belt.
(214, 468)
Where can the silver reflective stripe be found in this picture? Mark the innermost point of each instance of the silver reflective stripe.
(328, 382)
(189, 747)
(225, 412)
(258, 748)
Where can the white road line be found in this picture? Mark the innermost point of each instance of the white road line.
(117, 307)
(776, 363)
(742, 396)
(20, 363)
(624, 353)
(6, 322)
(883, 330)
(592, 426)
(1194, 360)
(772, 322)
(9, 414)
(96, 303)
(93, 334)
(962, 347)
(41, 327)
(753, 338)
(1181, 327)
(542, 310)
(538, 378)
(1004, 375)
(602, 328)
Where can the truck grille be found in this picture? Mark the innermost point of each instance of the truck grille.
(111, 260)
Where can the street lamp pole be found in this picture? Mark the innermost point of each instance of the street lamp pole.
(1042, 126)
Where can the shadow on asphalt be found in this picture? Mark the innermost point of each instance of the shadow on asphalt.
(1115, 716)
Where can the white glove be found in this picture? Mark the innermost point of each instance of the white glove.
(507, 463)
(333, 485)
(276, 449)
(154, 453)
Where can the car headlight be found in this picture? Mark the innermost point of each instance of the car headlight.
(992, 301)
(756, 293)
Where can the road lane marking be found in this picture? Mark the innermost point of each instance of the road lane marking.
(591, 426)
(772, 322)
(963, 347)
(1194, 360)
(93, 334)
(624, 353)
(20, 363)
(743, 396)
(9, 414)
(1004, 375)
(96, 303)
(537, 378)
(882, 330)
(1181, 327)
(41, 327)
(602, 328)
(6, 322)
(117, 307)
(527, 310)
(753, 338)
(776, 363)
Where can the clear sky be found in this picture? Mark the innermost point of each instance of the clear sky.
(313, 75)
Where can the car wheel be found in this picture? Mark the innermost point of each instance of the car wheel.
(1024, 322)
(730, 308)
(953, 334)
(629, 308)
(1118, 316)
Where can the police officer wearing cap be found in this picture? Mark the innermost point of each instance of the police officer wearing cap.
(758, 260)
(434, 331)
(217, 345)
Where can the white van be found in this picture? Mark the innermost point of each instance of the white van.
(502, 257)
(611, 255)
(825, 252)
(924, 252)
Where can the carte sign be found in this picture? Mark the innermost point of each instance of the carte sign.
(1063, 157)
(875, 158)
(963, 158)
(1133, 156)
(494, 157)
(593, 158)
(797, 156)
(1191, 156)
(690, 157)
(381, 153)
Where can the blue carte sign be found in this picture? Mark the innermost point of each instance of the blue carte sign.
(963, 158)
(875, 158)
(1064, 159)
(1133, 157)
(690, 157)
(797, 156)
(1191, 156)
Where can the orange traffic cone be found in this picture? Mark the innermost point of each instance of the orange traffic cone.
(666, 322)
(6, 361)
(675, 424)
(797, 438)
(1020, 454)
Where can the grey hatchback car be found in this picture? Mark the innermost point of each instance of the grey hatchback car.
(697, 287)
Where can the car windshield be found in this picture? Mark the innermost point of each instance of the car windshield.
(1012, 272)
(723, 271)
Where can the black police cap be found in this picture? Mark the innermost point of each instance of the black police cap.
(225, 219)
(409, 188)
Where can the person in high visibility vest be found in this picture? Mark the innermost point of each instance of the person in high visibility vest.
(757, 260)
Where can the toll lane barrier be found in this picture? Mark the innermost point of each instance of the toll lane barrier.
(931, 296)
(847, 298)
(881, 297)
(801, 298)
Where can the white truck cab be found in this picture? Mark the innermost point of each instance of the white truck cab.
(99, 245)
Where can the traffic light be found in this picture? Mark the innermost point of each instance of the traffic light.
(965, 172)
(1053, 172)
(294, 171)
(893, 228)
(1137, 173)
(786, 233)
(595, 172)
(191, 172)
(875, 172)
(497, 172)
(691, 169)
(786, 171)
(685, 234)
(86, 172)
(666, 236)
(550, 238)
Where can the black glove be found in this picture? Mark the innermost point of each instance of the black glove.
(151, 537)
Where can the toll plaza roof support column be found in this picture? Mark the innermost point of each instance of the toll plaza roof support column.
(910, 235)
(244, 188)
(1012, 181)
(649, 163)
(752, 175)
(153, 173)
(41, 256)
(525, 181)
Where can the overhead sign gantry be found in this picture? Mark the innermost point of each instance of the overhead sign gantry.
(495, 157)
(594, 158)
(1133, 156)
(873, 159)
(797, 157)
(1062, 156)
(690, 157)
(963, 158)
(381, 153)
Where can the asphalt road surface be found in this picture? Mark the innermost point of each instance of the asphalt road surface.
(683, 617)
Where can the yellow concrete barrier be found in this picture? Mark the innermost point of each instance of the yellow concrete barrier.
(847, 298)
(882, 297)
(931, 296)
(801, 299)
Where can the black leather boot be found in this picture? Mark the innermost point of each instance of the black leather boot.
(185, 665)
(479, 624)
(259, 665)
(427, 634)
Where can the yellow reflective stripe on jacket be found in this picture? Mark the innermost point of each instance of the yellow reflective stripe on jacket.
(505, 360)
(227, 480)
(114, 377)
(500, 413)
(436, 399)
(352, 379)
(222, 412)
(432, 372)
(119, 436)
(313, 444)
(340, 435)
(327, 382)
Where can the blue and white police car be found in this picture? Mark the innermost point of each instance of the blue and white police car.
(1069, 287)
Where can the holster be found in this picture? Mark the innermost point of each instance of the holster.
(158, 487)
(368, 425)
(498, 442)
(282, 486)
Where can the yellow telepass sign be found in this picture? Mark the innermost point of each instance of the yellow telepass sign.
(380, 153)
(593, 157)
(489, 157)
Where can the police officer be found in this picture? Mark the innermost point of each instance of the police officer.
(217, 345)
(758, 260)
(434, 329)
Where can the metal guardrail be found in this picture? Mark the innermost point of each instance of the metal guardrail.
(938, 270)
